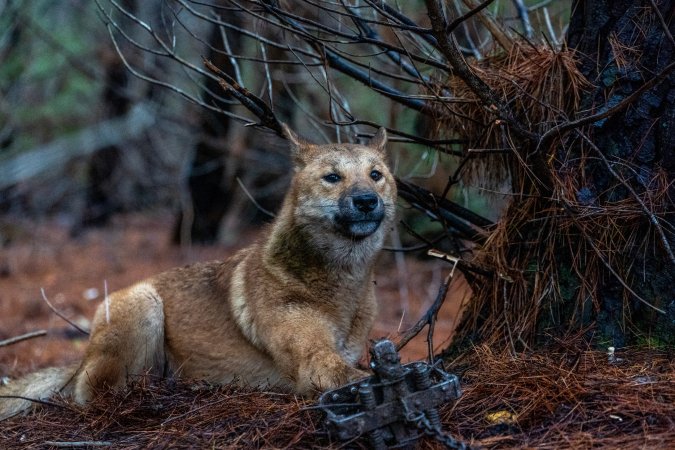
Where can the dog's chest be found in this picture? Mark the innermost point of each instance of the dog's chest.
(355, 320)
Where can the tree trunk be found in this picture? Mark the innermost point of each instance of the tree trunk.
(591, 250)
(102, 175)
(621, 45)
(209, 186)
(218, 204)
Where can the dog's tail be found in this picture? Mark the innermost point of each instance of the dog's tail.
(20, 395)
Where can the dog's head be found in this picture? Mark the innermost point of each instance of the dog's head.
(343, 189)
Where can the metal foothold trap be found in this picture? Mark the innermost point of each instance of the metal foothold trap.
(395, 406)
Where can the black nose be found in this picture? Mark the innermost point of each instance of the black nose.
(365, 202)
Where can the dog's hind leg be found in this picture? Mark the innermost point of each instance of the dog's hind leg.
(127, 339)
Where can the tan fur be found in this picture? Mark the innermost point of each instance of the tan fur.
(292, 311)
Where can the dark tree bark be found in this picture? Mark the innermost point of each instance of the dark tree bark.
(104, 171)
(591, 247)
(622, 44)
(209, 186)
(100, 204)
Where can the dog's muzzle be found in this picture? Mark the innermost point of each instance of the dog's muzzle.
(360, 213)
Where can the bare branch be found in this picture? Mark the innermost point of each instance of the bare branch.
(339, 63)
(460, 20)
(559, 130)
(500, 35)
(468, 224)
(60, 314)
(524, 18)
(249, 100)
(253, 200)
(76, 444)
(549, 27)
(462, 69)
(429, 316)
(23, 337)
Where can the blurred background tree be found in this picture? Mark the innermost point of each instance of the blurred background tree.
(532, 139)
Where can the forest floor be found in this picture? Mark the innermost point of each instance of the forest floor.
(568, 396)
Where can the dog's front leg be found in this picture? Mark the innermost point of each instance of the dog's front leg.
(302, 343)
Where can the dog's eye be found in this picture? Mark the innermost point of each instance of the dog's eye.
(332, 178)
(375, 175)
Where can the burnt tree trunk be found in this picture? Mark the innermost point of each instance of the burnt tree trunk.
(621, 45)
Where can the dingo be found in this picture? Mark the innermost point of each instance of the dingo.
(291, 311)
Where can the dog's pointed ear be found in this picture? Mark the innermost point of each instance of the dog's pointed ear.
(293, 138)
(296, 144)
(379, 141)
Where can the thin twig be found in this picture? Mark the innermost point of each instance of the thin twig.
(22, 337)
(460, 20)
(33, 400)
(429, 316)
(558, 130)
(650, 214)
(253, 200)
(58, 313)
(664, 25)
(498, 33)
(66, 444)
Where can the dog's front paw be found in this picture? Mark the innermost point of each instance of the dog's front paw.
(357, 374)
(330, 372)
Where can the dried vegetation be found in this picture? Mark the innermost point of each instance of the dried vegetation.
(558, 241)
(565, 397)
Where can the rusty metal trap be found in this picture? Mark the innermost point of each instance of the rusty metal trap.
(395, 406)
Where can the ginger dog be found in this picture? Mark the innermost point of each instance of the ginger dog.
(292, 311)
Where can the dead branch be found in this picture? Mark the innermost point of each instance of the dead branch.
(57, 154)
(341, 63)
(468, 224)
(22, 337)
(34, 400)
(77, 444)
(429, 316)
(60, 314)
(463, 18)
(500, 35)
(559, 130)
(253, 103)
(450, 51)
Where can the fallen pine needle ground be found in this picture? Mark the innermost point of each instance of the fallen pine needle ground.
(567, 397)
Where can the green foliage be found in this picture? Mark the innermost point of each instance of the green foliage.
(47, 74)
